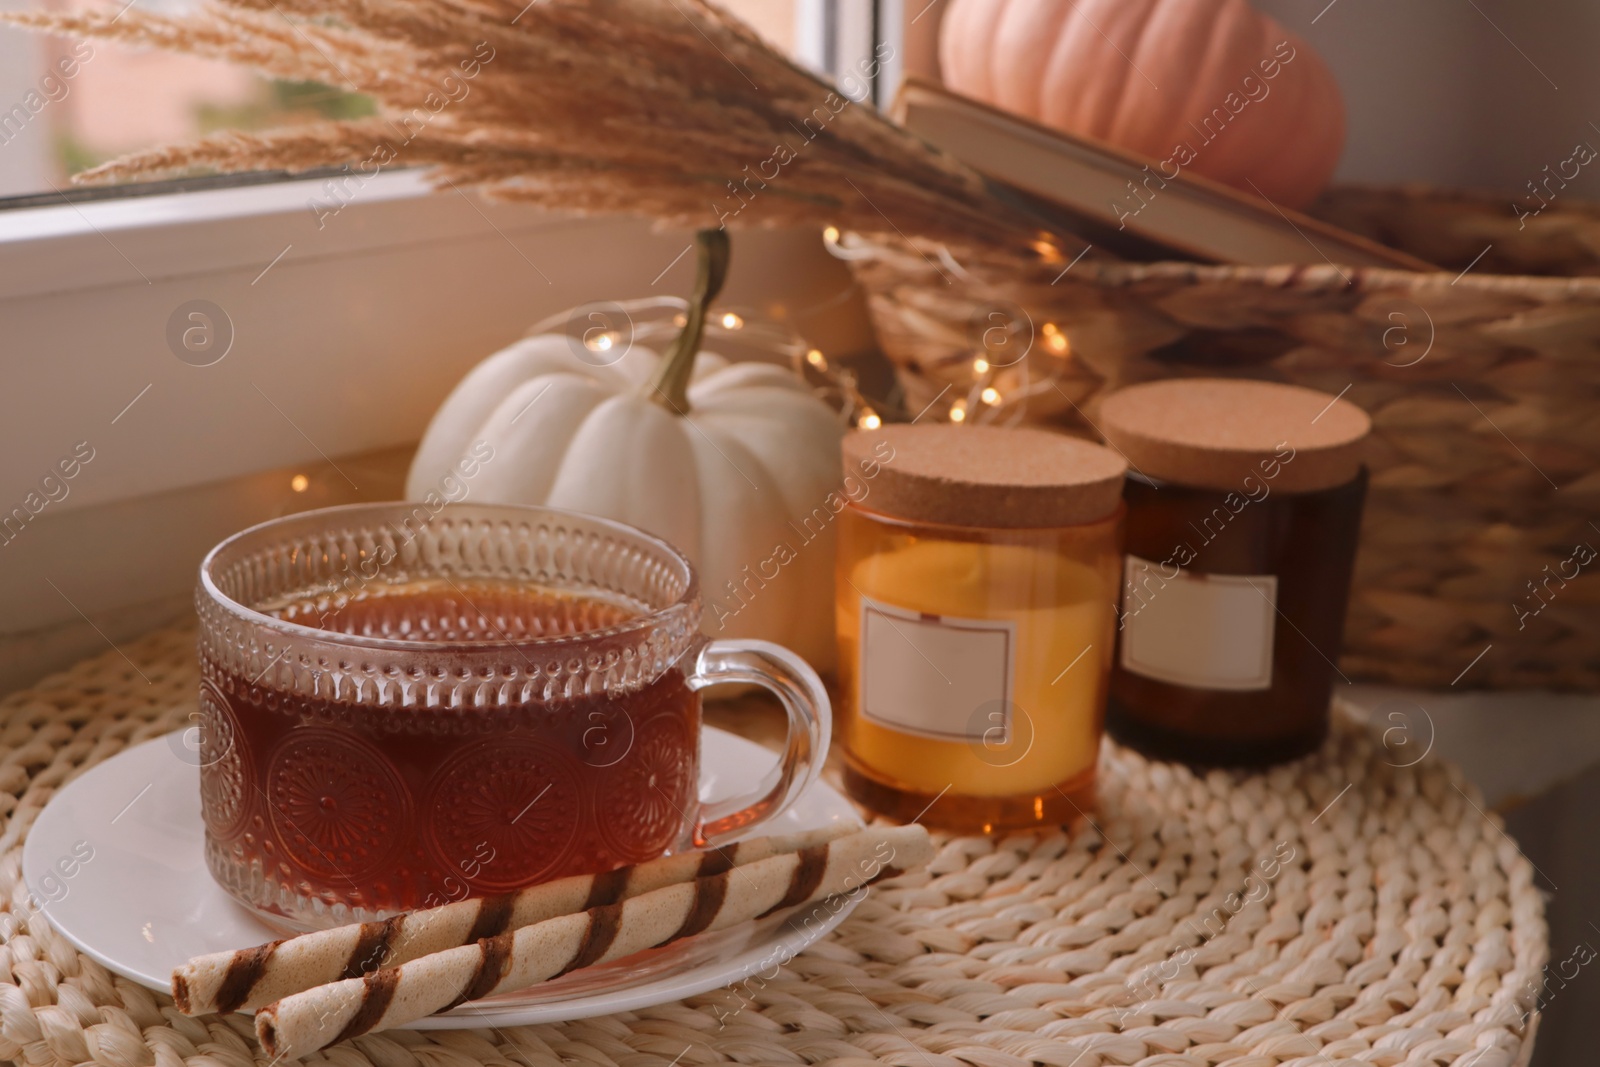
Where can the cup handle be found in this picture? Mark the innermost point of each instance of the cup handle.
(804, 700)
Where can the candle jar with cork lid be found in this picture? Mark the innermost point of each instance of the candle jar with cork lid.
(976, 582)
(1244, 505)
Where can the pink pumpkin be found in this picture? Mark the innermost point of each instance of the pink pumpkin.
(1248, 99)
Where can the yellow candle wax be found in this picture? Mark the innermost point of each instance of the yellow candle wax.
(1061, 610)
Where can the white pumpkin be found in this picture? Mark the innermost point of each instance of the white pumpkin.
(740, 481)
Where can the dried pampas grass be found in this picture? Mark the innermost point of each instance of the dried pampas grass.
(667, 108)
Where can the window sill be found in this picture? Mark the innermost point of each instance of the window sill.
(344, 341)
(141, 240)
(333, 341)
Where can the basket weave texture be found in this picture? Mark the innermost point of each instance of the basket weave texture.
(1401, 926)
(1482, 387)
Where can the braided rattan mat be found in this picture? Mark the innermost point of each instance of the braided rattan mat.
(1226, 919)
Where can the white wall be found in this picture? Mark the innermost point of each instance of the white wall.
(1480, 93)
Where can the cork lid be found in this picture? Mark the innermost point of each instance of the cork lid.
(986, 476)
(1213, 433)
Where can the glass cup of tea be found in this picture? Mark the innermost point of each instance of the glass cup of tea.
(401, 707)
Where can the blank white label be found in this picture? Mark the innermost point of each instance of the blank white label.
(934, 675)
(1205, 631)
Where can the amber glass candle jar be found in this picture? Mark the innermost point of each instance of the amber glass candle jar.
(1244, 505)
(977, 571)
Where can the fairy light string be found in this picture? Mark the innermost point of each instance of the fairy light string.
(1001, 381)
(997, 389)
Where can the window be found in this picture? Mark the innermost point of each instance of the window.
(68, 105)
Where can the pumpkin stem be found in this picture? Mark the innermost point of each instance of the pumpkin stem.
(670, 388)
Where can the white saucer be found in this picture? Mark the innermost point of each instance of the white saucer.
(143, 901)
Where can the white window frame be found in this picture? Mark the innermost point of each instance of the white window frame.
(344, 347)
(86, 290)
(891, 39)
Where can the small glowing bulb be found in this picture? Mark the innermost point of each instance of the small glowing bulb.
(680, 320)
(831, 235)
(1048, 250)
(600, 342)
(817, 359)
(1050, 328)
(299, 483)
(869, 420)
(958, 411)
(990, 395)
(980, 366)
(1057, 343)
(730, 321)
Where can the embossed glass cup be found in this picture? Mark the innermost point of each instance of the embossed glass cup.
(401, 707)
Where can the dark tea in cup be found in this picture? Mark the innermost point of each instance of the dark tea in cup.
(399, 712)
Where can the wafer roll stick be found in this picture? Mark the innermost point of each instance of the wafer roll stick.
(251, 977)
(305, 1022)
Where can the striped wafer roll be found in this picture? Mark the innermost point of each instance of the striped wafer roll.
(251, 977)
(305, 1022)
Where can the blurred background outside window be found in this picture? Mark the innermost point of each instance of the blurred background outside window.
(67, 105)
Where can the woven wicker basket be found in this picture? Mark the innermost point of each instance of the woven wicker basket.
(1482, 387)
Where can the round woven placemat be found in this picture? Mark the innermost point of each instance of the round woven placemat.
(1337, 911)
